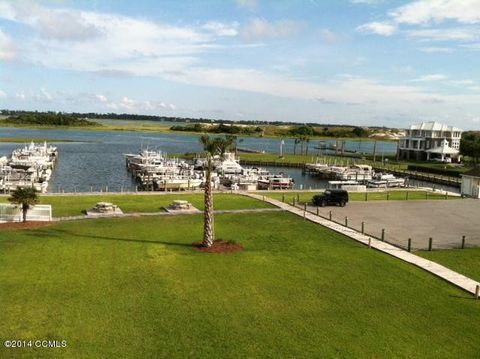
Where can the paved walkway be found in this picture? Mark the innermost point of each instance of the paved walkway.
(140, 214)
(440, 271)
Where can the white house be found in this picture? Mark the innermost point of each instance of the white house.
(471, 183)
(430, 141)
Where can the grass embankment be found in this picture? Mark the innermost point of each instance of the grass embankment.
(134, 288)
(465, 261)
(371, 196)
(130, 203)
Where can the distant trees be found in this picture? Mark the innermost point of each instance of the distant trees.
(48, 119)
(470, 145)
(360, 132)
(304, 130)
(25, 197)
(221, 128)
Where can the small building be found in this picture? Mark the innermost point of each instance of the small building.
(430, 141)
(471, 183)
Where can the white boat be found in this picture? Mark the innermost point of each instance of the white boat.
(275, 182)
(386, 181)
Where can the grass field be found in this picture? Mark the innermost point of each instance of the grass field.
(129, 203)
(373, 196)
(134, 288)
(464, 261)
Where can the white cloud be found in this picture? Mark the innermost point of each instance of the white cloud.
(346, 90)
(45, 94)
(431, 77)
(450, 34)
(2, 94)
(436, 11)
(368, 2)
(462, 82)
(20, 96)
(221, 29)
(120, 44)
(248, 4)
(259, 28)
(433, 49)
(58, 24)
(7, 47)
(379, 28)
(473, 46)
(102, 98)
(428, 15)
(327, 35)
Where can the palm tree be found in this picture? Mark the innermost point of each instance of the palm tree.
(233, 139)
(307, 142)
(212, 147)
(295, 143)
(26, 197)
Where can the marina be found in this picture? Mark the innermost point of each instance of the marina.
(30, 166)
(155, 171)
(94, 161)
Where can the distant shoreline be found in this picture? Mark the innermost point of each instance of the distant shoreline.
(149, 128)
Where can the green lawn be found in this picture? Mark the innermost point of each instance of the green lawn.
(464, 261)
(76, 204)
(134, 288)
(373, 196)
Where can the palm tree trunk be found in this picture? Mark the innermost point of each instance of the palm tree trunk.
(208, 228)
(24, 212)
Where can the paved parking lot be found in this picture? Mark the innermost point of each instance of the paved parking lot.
(445, 221)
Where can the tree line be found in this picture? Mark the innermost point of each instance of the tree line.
(48, 119)
(221, 128)
(470, 145)
(134, 117)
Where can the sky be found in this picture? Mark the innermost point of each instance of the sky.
(360, 62)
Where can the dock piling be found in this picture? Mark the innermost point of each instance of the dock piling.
(383, 234)
(430, 240)
(363, 227)
(346, 221)
(477, 291)
(463, 242)
(330, 215)
(409, 246)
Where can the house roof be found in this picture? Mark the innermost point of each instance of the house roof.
(474, 172)
(434, 126)
(444, 149)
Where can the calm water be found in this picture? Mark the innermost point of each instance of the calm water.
(102, 163)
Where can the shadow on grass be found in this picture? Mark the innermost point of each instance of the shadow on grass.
(61, 233)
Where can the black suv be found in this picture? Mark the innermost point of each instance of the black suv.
(331, 196)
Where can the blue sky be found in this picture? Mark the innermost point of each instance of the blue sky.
(363, 62)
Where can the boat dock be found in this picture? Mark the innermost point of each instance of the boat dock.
(30, 166)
